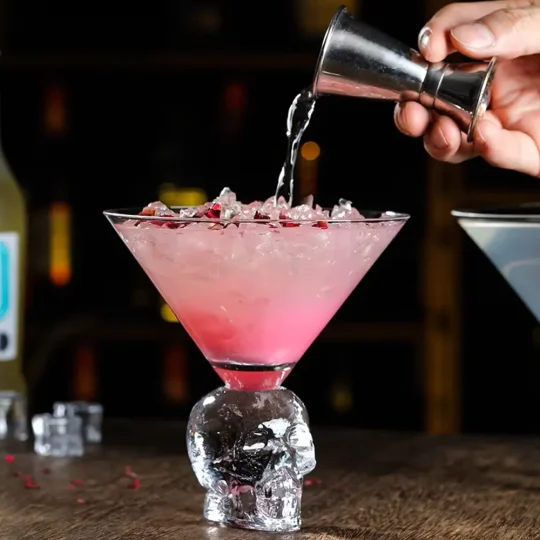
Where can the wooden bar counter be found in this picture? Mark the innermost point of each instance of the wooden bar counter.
(367, 486)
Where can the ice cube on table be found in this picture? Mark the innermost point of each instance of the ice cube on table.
(91, 415)
(13, 416)
(58, 436)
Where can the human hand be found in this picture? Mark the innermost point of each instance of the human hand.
(508, 135)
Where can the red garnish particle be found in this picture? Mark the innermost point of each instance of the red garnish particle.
(214, 212)
(17, 473)
(265, 217)
(159, 223)
(46, 470)
(312, 481)
(81, 501)
(166, 224)
(128, 472)
(136, 484)
(321, 225)
(9, 458)
(77, 482)
(30, 484)
(286, 221)
(147, 212)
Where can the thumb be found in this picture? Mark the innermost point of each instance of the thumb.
(506, 149)
(507, 33)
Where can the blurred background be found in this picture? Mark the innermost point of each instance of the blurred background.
(174, 100)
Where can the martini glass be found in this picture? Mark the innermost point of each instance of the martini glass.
(510, 238)
(253, 295)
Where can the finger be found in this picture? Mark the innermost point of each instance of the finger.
(411, 118)
(434, 39)
(508, 34)
(507, 149)
(445, 141)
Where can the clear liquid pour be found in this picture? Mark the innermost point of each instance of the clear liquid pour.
(298, 119)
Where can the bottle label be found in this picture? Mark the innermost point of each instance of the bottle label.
(9, 295)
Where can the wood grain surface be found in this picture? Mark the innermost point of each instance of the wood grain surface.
(373, 486)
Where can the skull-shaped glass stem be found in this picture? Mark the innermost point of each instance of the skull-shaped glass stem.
(250, 451)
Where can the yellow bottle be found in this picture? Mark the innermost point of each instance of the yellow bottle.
(12, 280)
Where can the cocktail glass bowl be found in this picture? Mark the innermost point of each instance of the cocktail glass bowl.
(254, 294)
(510, 238)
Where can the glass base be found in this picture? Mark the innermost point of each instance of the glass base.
(251, 451)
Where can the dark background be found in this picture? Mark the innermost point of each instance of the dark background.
(104, 109)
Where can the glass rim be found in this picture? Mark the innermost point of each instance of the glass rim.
(522, 213)
(131, 213)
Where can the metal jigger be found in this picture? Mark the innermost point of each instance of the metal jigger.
(359, 61)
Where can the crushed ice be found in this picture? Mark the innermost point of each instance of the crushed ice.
(227, 207)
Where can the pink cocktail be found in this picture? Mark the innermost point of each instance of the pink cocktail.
(254, 292)
(254, 285)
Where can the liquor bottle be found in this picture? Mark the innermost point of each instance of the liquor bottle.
(12, 277)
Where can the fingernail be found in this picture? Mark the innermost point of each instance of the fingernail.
(480, 143)
(398, 120)
(438, 139)
(397, 112)
(423, 38)
(479, 139)
(474, 36)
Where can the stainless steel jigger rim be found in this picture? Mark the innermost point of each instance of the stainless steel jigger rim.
(324, 47)
(483, 100)
(483, 96)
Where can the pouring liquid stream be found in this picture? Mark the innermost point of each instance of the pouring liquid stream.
(298, 119)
